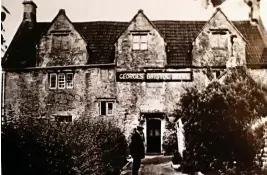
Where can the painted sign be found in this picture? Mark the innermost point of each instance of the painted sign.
(154, 76)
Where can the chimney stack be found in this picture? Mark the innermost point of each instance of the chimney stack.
(29, 13)
(254, 14)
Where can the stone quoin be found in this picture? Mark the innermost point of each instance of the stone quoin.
(131, 72)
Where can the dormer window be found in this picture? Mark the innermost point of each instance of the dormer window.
(140, 41)
(219, 39)
(60, 42)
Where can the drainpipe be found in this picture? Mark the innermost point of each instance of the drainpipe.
(3, 93)
(177, 128)
(180, 135)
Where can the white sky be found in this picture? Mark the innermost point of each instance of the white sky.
(124, 10)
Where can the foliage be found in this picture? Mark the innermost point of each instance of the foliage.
(4, 13)
(176, 158)
(170, 144)
(217, 123)
(215, 3)
(85, 146)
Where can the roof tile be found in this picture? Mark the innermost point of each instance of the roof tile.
(101, 37)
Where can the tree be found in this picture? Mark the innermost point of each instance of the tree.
(215, 3)
(3, 18)
(217, 123)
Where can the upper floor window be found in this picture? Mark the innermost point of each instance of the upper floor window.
(140, 42)
(60, 42)
(53, 81)
(69, 80)
(106, 74)
(61, 80)
(219, 39)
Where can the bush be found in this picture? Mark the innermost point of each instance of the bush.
(170, 144)
(177, 159)
(217, 124)
(44, 147)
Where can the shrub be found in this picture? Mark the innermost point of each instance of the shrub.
(44, 147)
(170, 144)
(103, 147)
(217, 123)
(177, 159)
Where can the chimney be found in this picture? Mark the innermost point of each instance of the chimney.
(29, 13)
(254, 14)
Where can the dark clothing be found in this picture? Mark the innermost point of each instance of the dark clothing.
(136, 166)
(137, 148)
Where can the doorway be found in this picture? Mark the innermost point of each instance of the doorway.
(153, 135)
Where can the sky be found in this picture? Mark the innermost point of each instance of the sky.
(124, 10)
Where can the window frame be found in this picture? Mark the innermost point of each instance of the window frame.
(106, 102)
(67, 85)
(50, 77)
(139, 42)
(64, 81)
(217, 35)
(59, 37)
(107, 108)
(72, 80)
(65, 118)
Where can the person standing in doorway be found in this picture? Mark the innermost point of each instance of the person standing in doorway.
(137, 148)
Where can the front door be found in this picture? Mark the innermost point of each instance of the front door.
(153, 135)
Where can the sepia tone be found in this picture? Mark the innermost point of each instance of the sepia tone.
(132, 72)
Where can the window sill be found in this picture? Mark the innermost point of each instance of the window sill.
(139, 50)
(57, 89)
(106, 115)
(219, 48)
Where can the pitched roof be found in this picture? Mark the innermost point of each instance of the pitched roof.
(255, 48)
(179, 36)
(101, 37)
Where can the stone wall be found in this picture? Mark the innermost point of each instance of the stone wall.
(135, 60)
(72, 51)
(28, 93)
(135, 98)
(231, 44)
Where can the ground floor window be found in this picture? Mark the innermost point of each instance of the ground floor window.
(63, 118)
(106, 107)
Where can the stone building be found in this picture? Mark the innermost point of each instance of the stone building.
(132, 72)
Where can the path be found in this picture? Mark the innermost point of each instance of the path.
(154, 165)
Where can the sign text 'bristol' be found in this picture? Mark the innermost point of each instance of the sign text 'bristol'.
(154, 76)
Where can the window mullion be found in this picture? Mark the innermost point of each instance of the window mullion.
(140, 42)
(107, 109)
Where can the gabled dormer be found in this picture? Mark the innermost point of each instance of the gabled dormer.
(219, 43)
(61, 44)
(140, 45)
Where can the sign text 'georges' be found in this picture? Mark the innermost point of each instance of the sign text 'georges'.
(154, 76)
